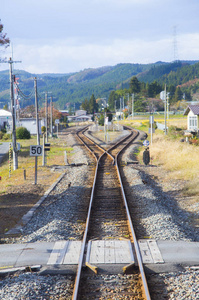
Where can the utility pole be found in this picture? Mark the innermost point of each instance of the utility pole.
(51, 116)
(14, 144)
(165, 111)
(46, 100)
(120, 108)
(132, 106)
(36, 110)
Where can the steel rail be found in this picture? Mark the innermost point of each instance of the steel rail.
(90, 150)
(137, 250)
(80, 263)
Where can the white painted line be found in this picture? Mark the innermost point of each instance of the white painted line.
(155, 252)
(58, 252)
(73, 252)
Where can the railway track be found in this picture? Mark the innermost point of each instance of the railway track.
(108, 221)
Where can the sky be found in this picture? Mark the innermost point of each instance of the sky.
(65, 36)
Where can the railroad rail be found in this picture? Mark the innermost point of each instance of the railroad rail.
(108, 214)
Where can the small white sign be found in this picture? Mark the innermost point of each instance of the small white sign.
(146, 143)
(56, 121)
(36, 150)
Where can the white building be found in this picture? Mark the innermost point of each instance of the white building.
(192, 113)
(80, 116)
(30, 124)
(5, 119)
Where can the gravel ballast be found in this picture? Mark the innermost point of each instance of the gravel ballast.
(62, 217)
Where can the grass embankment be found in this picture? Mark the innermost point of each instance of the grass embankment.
(180, 159)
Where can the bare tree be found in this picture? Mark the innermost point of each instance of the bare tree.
(4, 40)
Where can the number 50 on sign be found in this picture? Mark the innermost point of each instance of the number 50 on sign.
(36, 150)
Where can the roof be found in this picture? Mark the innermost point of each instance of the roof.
(5, 113)
(193, 108)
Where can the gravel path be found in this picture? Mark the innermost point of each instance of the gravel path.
(62, 216)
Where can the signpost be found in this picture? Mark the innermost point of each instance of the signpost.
(36, 150)
(152, 130)
(57, 123)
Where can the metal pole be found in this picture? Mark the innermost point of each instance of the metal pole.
(36, 110)
(15, 156)
(10, 157)
(35, 169)
(120, 109)
(43, 156)
(51, 115)
(46, 98)
(165, 111)
(132, 106)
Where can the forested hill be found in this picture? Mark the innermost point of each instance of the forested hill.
(75, 87)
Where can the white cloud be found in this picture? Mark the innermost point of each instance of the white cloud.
(70, 55)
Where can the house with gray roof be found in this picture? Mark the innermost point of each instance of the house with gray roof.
(192, 113)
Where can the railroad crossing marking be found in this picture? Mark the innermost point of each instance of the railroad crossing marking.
(150, 252)
(65, 252)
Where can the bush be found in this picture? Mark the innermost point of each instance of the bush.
(6, 136)
(43, 129)
(1, 135)
(22, 133)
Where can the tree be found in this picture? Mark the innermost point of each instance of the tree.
(154, 88)
(4, 40)
(56, 114)
(85, 105)
(113, 100)
(93, 106)
(178, 94)
(134, 85)
(139, 104)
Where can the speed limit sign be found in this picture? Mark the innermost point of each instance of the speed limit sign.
(36, 150)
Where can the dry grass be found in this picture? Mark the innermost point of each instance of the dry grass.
(27, 163)
(180, 159)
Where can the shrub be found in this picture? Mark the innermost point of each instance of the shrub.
(22, 133)
(43, 129)
(6, 136)
(1, 135)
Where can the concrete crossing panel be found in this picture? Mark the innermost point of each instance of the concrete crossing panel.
(110, 252)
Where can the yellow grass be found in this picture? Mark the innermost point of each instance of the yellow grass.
(180, 159)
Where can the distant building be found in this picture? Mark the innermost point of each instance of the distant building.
(192, 113)
(80, 112)
(5, 119)
(30, 124)
(80, 116)
(64, 112)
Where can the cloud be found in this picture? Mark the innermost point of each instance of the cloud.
(71, 55)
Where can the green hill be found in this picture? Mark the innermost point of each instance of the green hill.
(75, 87)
